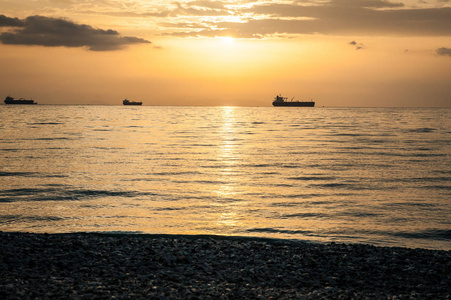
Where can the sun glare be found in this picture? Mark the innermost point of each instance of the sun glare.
(227, 40)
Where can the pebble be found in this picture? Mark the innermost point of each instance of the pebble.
(93, 265)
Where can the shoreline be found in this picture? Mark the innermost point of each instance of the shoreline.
(158, 266)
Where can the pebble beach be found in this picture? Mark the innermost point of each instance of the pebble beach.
(131, 266)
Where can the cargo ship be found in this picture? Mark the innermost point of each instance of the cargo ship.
(11, 100)
(128, 102)
(282, 101)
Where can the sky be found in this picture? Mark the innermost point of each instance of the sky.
(345, 53)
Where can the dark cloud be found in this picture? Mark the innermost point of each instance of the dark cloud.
(444, 51)
(336, 17)
(52, 32)
(358, 46)
(10, 22)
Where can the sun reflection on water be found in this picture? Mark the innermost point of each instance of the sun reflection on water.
(227, 151)
(227, 155)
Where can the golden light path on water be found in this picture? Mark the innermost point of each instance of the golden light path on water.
(228, 154)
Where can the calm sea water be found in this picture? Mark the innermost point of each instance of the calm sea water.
(357, 175)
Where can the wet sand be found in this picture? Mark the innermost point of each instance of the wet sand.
(104, 266)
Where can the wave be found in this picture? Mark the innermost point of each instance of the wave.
(309, 178)
(31, 174)
(62, 194)
(431, 234)
(422, 130)
(45, 123)
(5, 219)
(286, 231)
(297, 196)
(305, 215)
(438, 187)
(17, 174)
(425, 234)
(333, 185)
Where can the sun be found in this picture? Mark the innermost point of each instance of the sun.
(227, 40)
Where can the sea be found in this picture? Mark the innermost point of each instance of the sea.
(378, 176)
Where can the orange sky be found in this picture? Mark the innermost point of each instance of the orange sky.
(337, 52)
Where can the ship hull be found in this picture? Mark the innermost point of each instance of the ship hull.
(295, 104)
(133, 103)
(20, 102)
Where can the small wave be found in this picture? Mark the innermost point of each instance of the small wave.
(199, 145)
(322, 202)
(428, 234)
(281, 185)
(442, 172)
(11, 150)
(8, 219)
(289, 166)
(99, 193)
(438, 187)
(221, 182)
(305, 216)
(145, 179)
(427, 154)
(17, 174)
(174, 173)
(61, 194)
(332, 185)
(287, 204)
(425, 234)
(52, 139)
(45, 123)
(422, 130)
(52, 175)
(275, 230)
(109, 148)
(169, 208)
(411, 204)
(41, 218)
(262, 165)
(418, 179)
(308, 178)
(31, 174)
(303, 196)
(359, 214)
(347, 134)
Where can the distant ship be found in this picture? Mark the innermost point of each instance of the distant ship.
(11, 100)
(128, 102)
(282, 101)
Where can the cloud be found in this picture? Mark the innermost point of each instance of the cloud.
(365, 3)
(200, 9)
(358, 46)
(444, 51)
(208, 4)
(53, 32)
(335, 17)
(10, 22)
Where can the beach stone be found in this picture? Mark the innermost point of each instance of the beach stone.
(82, 266)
